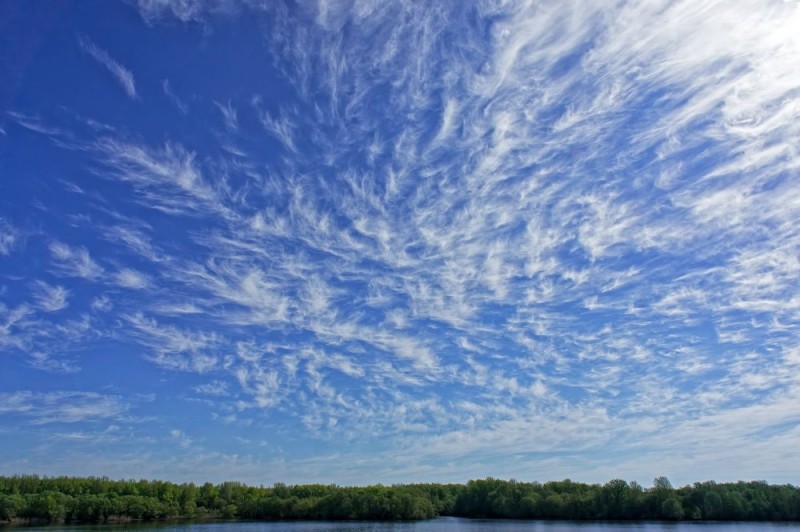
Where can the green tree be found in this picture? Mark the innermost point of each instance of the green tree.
(553, 506)
(615, 497)
(49, 505)
(662, 484)
(11, 506)
(672, 509)
(712, 505)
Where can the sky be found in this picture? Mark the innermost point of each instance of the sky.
(363, 242)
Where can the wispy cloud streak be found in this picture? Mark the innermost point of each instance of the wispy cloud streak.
(123, 76)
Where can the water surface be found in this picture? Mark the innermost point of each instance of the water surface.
(442, 524)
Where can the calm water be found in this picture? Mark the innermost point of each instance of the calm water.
(443, 524)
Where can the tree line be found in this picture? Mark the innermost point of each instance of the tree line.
(98, 499)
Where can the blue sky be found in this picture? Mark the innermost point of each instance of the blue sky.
(363, 242)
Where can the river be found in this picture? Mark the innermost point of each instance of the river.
(442, 524)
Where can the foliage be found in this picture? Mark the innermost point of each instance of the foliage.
(92, 499)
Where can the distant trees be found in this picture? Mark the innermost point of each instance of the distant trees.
(89, 500)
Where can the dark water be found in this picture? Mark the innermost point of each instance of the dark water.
(443, 524)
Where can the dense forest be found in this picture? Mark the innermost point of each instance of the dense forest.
(78, 500)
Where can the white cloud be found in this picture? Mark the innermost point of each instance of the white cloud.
(132, 279)
(180, 104)
(101, 304)
(167, 179)
(9, 236)
(135, 240)
(174, 348)
(184, 10)
(181, 438)
(50, 298)
(62, 407)
(34, 123)
(213, 388)
(281, 127)
(123, 76)
(74, 261)
(229, 115)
